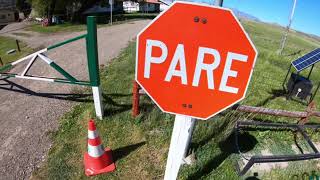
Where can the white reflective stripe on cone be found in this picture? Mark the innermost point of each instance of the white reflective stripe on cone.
(95, 151)
(92, 134)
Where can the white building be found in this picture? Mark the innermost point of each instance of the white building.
(149, 6)
(130, 6)
(164, 4)
(145, 6)
(7, 11)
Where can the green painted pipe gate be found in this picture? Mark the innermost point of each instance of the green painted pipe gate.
(92, 58)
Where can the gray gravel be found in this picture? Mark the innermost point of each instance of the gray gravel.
(26, 117)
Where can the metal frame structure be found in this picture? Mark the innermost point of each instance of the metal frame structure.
(275, 158)
(92, 60)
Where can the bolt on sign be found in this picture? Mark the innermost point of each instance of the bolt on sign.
(194, 60)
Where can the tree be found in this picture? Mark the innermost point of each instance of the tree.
(23, 6)
(20, 4)
(52, 5)
(45, 8)
(84, 5)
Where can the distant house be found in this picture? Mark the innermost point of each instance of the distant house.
(7, 16)
(145, 6)
(164, 4)
(8, 12)
(148, 6)
(130, 6)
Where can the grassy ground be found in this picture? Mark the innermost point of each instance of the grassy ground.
(7, 44)
(66, 27)
(140, 144)
(103, 22)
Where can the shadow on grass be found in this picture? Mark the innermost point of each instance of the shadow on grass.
(112, 107)
(205, 140)
(126, 150)
(11, 86)
(275, 93)
(118, 95)
(298, 52)
(254, 177)
(246, 143)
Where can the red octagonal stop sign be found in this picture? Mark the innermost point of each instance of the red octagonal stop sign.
(194, 60)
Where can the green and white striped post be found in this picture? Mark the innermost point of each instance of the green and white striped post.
(93, 64)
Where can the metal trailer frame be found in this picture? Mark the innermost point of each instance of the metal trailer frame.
(92, 60)
(275, 158)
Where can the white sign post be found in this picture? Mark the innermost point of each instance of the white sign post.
(174, 76)
(180, 139)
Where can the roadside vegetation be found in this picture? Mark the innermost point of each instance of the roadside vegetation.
(65, 27)
(102, 20)
(140, 145)
(7, 44)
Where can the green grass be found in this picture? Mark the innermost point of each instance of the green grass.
(7, 44)
(66, 27)
(103, 22)
(141, 143)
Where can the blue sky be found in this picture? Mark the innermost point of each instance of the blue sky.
(306, 17)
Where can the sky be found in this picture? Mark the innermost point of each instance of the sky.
(305, 19)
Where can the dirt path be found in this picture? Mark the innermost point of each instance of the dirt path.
(29, 110)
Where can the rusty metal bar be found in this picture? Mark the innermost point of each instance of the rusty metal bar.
(307, 138)
(276, 112)
(273, 112)
(135, 99)
(242, 125)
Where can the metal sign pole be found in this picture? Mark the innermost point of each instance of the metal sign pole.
(93, 65)
(111, 4)
(180, 139)
(218, 3)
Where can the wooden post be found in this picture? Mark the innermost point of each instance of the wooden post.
(18, 46)
(1, 63)
(135, 99)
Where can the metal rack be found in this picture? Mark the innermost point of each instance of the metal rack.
(241, 125)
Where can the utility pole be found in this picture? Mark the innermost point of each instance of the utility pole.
(284, 38)
(111, 4)
(218, 3)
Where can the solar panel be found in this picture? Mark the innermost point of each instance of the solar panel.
(307, 60)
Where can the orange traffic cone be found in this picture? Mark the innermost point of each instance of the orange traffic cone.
(98, 160)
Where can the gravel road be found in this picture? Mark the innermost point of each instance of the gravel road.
(27, 115)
